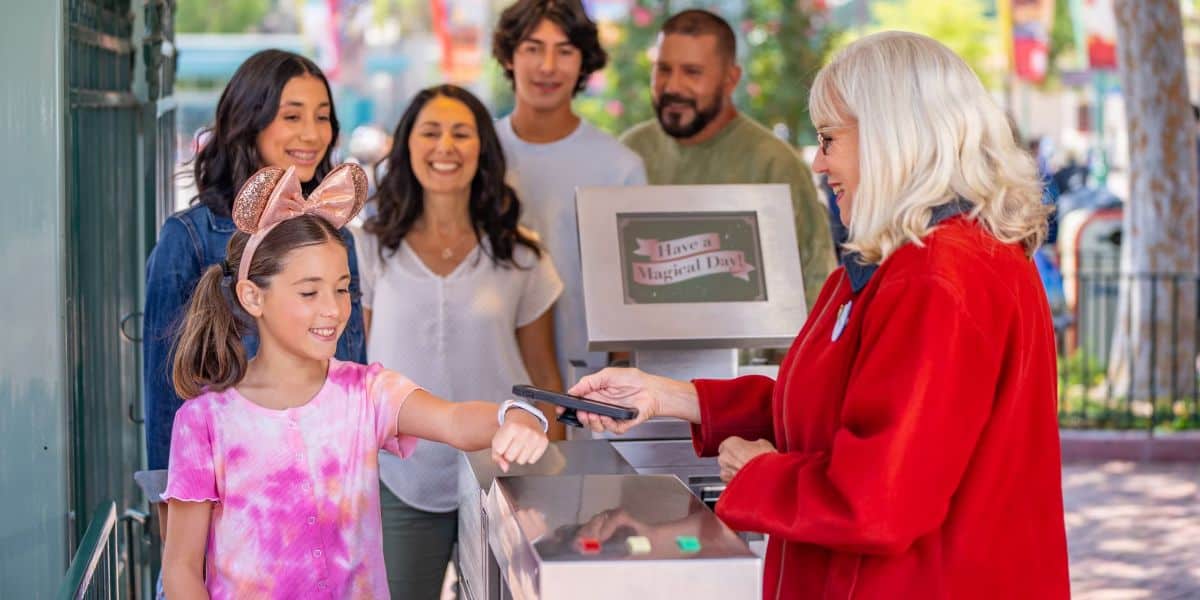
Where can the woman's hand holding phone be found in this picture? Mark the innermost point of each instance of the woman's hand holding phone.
(651, 395)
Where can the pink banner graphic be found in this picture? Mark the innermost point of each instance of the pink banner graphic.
(684, 269)
(675, 249)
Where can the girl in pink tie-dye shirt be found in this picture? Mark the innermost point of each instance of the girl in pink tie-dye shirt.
(273, 485)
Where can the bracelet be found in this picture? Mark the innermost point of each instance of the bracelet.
(525, 406)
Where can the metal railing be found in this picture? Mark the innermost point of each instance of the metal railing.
(1107, 382)
(103, 567)
(94, 569)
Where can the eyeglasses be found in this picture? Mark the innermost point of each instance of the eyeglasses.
(823, 142)
(823, 139)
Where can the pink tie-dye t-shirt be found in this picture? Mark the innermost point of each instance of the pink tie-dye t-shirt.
(295, 491)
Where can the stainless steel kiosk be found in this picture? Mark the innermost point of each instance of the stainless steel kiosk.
(682, 277)
(520, 532)
(588, 537)
(478, 574)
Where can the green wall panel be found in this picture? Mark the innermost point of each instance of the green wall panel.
(33, 407)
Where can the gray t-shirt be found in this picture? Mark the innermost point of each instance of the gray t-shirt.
(545, 177)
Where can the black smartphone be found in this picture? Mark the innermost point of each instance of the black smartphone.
(573, 403)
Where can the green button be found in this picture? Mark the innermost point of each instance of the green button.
(688, 544)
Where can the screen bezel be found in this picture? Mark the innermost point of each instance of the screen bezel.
(613, 324)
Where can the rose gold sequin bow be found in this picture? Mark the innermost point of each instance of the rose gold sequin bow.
(273, 195)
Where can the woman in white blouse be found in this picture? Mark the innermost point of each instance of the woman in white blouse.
(458, 298)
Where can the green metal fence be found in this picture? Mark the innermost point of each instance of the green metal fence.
(94, 569)
(1166, 396)
(120, 153)
(103, 251)
(105, 564)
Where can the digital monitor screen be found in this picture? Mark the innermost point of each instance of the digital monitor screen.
(691, 257)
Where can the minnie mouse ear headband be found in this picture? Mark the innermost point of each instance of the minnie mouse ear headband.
(273, 195)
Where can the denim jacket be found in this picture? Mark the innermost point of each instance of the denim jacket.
(189, 242)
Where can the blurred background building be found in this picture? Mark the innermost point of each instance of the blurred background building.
(1050, 62)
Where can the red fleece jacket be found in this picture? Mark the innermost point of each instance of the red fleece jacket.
(918, 451)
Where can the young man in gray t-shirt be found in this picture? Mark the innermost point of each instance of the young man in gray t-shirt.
(548, 49)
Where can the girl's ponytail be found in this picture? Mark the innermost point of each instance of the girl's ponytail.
(208, 352)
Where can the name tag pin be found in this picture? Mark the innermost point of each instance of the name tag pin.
(843, 317)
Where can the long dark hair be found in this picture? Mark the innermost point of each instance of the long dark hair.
(209, 355)
(248, 105)
(493, 207)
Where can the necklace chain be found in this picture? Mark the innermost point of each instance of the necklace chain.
(448, 252)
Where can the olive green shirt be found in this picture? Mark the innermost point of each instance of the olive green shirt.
(744, 152)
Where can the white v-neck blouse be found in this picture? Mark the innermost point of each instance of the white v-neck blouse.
(454, 335)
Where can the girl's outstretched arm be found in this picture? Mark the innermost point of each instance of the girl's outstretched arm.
(183, 556)
(473, 426)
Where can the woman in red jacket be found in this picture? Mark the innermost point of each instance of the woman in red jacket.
(909, 448)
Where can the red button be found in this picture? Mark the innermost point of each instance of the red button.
(589, 545)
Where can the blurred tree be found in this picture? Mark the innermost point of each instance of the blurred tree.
(787, 43)
(1149, 356)
(962, 25)
(782, 45)
(618, 96)
(220, 16)
(1062, 45)
(410, 15)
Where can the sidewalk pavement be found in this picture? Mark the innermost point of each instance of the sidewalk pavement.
(1133, 530)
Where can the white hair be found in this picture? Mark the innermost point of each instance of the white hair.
(927, 132)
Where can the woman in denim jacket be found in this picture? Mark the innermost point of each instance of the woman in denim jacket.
(276, 111)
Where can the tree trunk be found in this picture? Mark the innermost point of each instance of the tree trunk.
(1154, 351)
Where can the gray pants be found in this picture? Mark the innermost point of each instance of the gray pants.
(416, 547)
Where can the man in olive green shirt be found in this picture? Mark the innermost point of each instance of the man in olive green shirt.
(700, 137)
